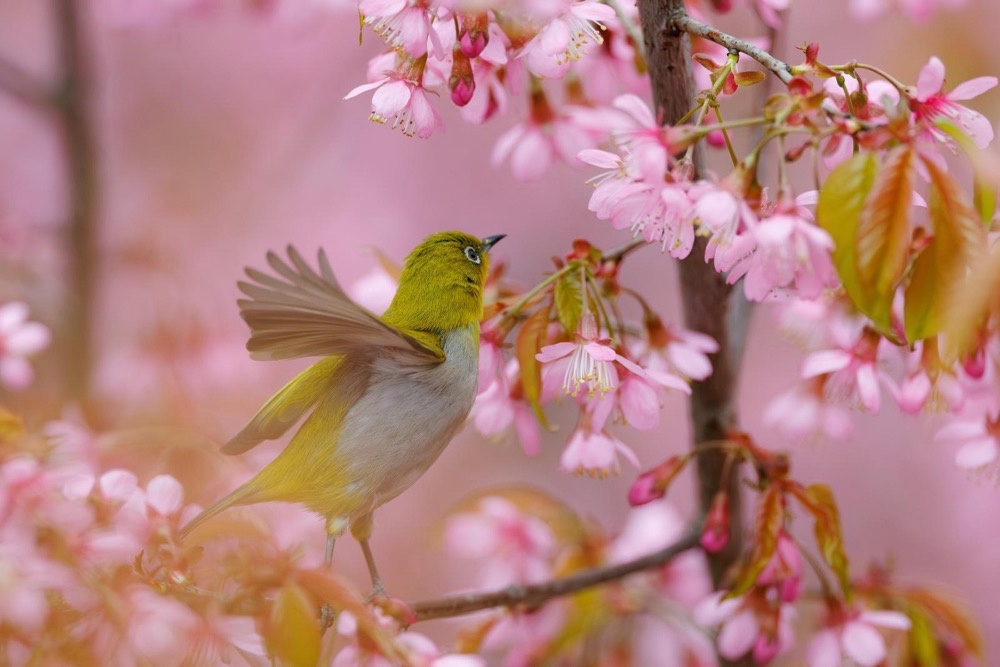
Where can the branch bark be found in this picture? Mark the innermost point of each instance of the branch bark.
(83, 194)
(530, 597)
(707, 299)
(683, 22)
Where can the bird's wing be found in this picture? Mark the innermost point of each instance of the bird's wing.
(302, 313)
(286, 407)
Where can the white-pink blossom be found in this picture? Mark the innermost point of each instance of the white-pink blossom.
(854, 636)
(19, 340)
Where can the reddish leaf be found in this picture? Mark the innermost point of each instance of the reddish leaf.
(969, 307)
(882, 244)
(769, 522)
(841, 201)
(530, 340)
(949, 613)
(748, 78)
(818, 501)
(958, 239)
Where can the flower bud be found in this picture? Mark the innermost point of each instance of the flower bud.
(473, 35)
(461, 82)
(653, 484)
(715, 534)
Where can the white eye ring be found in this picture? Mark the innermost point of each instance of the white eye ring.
(471, 254)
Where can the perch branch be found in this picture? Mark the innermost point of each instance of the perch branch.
(681, 22)
(532, 596)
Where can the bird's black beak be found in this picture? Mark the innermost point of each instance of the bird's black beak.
(491, 241)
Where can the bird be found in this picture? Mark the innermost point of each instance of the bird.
(386, 396)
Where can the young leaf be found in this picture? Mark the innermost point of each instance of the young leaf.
(839, 212)
(968, 308)
(292, 633)
(569, 301)
(770, 520)
(530, 340)
(958, 238)
(818, 501)
(924, 647)
(748, 78)
(883, 240)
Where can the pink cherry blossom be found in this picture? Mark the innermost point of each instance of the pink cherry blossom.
(727, 219)
(500, 406)
(535, 143)
(854, 636)
(932, 103)
(790, 253)
(741, 631)
(403, 24)
(594, 452)
(400, 97)
(804, 413)
(784, 571)
(512, 546)
(979, 439)
(566, 38)
(19, 339)
(590, 360)
(852, 370)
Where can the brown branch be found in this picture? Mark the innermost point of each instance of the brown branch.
(22, 86)
(530, 597)
(681, 22)
(706, 296)
(82, 182)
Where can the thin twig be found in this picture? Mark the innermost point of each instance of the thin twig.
(530, 597)
(681, 22)
(22, 86)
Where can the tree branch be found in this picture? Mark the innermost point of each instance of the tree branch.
(681, 22)
(706, 296)
(22, 86)
(532, 596)
(83, 186)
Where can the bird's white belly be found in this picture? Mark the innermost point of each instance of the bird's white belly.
(404, 421)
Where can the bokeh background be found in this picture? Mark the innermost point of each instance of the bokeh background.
(222, 133)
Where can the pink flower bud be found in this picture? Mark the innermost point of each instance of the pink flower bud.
(653, 483)
(474, 34)
(716, 139)
(461, 82)
(715, 534)
(722, 6)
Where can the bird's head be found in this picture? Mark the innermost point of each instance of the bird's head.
(441, 287)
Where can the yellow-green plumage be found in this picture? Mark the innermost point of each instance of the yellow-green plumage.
(389, 393)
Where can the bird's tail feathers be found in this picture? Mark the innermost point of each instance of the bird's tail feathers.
(244, 495)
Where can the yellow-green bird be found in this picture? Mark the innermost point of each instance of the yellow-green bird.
(388, 395)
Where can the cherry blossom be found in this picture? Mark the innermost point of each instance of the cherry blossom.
(403, 24)
(400, 97)
(853, 635)
(19, 339)
(918, 10)
(804, 413)
(513, 546)
(741, 627)
(932, 103)
(566, 38)
(979, 439)
(594, 452)
(501, 405)
(853, 370)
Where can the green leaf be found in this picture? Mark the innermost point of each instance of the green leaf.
(838, 211)
(569, 301)
(958, 238)
(767, 527)
(530, 340)
(292, 633)
(882, 244)
(923, 644)
(818, 500)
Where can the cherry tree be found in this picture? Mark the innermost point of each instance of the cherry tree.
(859, 205)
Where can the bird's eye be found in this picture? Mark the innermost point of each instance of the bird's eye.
(472, 254)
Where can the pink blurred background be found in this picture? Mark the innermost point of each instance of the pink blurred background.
(223, 134)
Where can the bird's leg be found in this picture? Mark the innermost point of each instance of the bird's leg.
(378, 590)
(334, 529)
(328, 558)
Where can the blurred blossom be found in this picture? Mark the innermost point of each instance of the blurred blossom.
(979, 439)
(501, 405)
(853, 636)
(916, 10)
(594, 453)
(374, 290)
(741, 631)
(513, 546)
(19, 339)
(804, 413)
